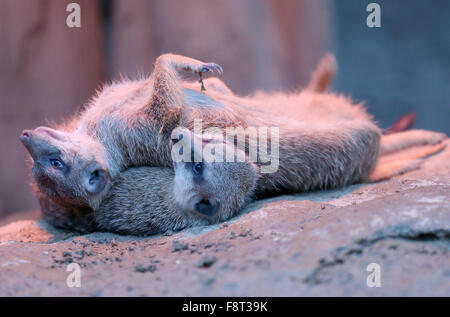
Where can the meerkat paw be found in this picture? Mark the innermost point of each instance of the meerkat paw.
(423, 137)
(201, 68)
(435, 137)
(211, 67)
(180, 62)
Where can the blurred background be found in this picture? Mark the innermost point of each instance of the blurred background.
(48, 70)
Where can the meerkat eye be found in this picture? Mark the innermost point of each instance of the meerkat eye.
(58, 164)
(197, 168)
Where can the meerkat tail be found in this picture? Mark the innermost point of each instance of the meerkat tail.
(323, 75)
(395, 164)
(404, 123)
(398, 141)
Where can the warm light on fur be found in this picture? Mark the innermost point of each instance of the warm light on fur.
(326, 141)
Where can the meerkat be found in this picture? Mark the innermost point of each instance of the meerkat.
(129, 124)
(149, 200)
(326, 140)
(55, 190)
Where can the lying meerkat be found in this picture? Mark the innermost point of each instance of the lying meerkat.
(149, 200)
(326, 141)
(129, 124)
(52, 192)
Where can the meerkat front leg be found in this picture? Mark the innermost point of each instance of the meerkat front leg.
(167, 96)
(179, 63)
(398, 141)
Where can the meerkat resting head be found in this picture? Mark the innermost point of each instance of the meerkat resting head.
(207, 185)
(147, 200)
(65, 169)
(140, 200)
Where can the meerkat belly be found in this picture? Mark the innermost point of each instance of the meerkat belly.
(198, 99)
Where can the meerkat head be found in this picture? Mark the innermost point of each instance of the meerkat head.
(68, 168)
(213, 189)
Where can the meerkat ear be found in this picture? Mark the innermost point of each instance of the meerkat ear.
(95, 181)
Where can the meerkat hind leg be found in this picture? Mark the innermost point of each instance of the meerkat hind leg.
(398, 141)
(402, 162)
(384, 171)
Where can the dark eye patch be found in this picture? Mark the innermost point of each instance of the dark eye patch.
(58, 164)
(198, 175)
(197, 168)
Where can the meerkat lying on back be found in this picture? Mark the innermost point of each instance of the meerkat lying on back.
(325, 140)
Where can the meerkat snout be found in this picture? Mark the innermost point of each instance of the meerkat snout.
(205, 207)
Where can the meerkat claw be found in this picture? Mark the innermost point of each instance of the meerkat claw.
(202, 88)
(208, 67)
(212, 67)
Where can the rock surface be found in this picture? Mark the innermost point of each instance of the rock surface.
(308, 244)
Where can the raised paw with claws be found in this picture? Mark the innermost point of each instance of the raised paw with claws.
(208, 67)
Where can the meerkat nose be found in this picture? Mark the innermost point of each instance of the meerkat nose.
(177, 138)
(27, 140)
(25, 134)
(206, 208)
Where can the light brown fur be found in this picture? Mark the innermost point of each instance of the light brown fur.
(132, 121)
(326, 141)
(148, 200)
